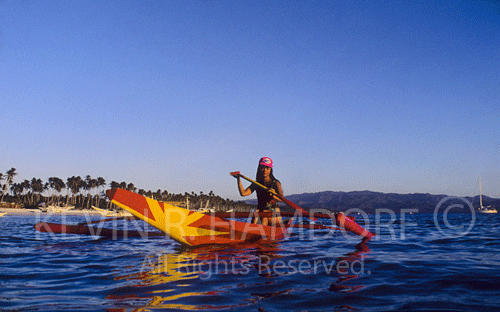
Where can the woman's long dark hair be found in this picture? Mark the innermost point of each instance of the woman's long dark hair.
(260, 178)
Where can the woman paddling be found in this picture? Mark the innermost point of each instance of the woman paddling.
(266, 202)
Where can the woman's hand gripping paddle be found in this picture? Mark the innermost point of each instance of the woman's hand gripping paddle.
(274, 193)
(342, 220)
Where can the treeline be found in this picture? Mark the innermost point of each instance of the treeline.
(86, 192)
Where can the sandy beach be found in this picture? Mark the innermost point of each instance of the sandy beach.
(27, 212)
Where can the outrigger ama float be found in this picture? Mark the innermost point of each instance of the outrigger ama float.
(192, 228)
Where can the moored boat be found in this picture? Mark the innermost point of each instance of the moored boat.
(109, 213)
(482, 209)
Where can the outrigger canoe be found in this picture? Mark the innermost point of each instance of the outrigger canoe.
(193, 228)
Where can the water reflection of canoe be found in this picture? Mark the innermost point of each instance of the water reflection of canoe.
(175, 277)
(181, 278)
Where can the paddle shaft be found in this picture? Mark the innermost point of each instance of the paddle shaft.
(273, 192)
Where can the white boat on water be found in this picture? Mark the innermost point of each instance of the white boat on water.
(482, 209)
(109, 213)
(57, 209)
(206, 210)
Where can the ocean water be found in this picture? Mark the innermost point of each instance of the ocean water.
(417, 262)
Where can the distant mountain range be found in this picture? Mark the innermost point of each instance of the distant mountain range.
(370, 201)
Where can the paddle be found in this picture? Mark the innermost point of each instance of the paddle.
(342, 220)
(273, 192)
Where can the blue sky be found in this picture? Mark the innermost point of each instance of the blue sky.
(389, 96)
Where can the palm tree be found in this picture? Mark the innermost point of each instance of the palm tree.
(26, 185)
(93, 186)
(114, 185)
(164, 195)
(157, 195)
(10, 178)
(36, 187)
(50, 185)
(74, 184)
(17, 189)
(57, 184)
(100, 183)
(131, 187)
(88, 185)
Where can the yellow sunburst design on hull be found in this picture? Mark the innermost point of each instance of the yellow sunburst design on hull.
(172, 220)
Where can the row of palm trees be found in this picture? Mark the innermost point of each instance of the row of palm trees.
(9, 178)
(86, 192)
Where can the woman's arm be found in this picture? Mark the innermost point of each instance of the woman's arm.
(243, 192)
(278, 190)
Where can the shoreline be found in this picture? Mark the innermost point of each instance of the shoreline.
(31, 212)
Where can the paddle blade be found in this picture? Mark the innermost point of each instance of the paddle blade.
(235, 173)
(349, 225)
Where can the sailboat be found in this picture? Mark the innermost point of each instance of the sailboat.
(482, 209)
